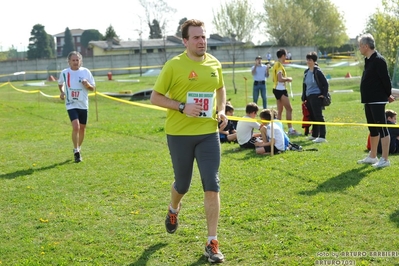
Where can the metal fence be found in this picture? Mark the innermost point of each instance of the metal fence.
(43, 69)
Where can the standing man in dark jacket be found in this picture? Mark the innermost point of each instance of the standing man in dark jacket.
(376, 92)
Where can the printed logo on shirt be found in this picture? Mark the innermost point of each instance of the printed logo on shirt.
(193, 76)
(213, 75)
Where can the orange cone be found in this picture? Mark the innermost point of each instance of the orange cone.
(348, 75)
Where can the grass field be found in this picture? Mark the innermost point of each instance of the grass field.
(296, 208)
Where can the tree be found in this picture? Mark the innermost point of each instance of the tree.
(384, 26)
(110, 33)
(39, 43)
(235, 20)
(178, 31)
(157, 10)
(68, 43)
(4, 55)
(12, 53)
(236, 17)
(286, 23)
(155, 30)
(90, 35)
(51, 43)
(304, 22)
(329, 23)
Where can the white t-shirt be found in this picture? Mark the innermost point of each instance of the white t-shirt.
(76, 95)
(278, 135)
(245, 130)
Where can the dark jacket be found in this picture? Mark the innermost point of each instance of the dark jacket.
(375, 85)
(321, 81)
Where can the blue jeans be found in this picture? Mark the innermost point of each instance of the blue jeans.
(262, 89)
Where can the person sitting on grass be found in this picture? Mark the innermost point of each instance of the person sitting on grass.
(275, 142)
(246, 137)
(229, 133)
(393, 132)
(277, 122)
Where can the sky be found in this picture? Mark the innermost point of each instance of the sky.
(18, 18)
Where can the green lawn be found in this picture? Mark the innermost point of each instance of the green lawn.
(294, 208)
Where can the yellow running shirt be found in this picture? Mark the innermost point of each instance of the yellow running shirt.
(278, 67)
(187, 81)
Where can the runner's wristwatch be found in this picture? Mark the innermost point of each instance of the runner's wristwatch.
(181, 107)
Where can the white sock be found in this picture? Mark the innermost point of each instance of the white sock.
(172, 209)
(210, 238)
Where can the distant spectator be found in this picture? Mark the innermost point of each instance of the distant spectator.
(269, 57)
(260, 72)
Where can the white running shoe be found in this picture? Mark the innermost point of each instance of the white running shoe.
(368, 160)
(319, 140)
(382, 163)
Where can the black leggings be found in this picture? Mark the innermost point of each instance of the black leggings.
(375, 114)
(205, 149)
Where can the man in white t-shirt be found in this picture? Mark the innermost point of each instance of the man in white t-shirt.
(74, 84)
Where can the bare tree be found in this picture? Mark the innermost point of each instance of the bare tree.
(236, 17)
(236, 20)
(157, 10)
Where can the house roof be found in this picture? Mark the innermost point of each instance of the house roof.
(170, 41)
(74, 32)
(127, 45)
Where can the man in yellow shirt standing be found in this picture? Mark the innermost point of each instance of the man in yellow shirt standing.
(191, 87)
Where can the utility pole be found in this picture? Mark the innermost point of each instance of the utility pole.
(233, 37)
(141, 53)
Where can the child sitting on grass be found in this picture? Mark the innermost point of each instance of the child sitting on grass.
(393, 132)
(246, 137)
(229, 133)
(277, 142)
